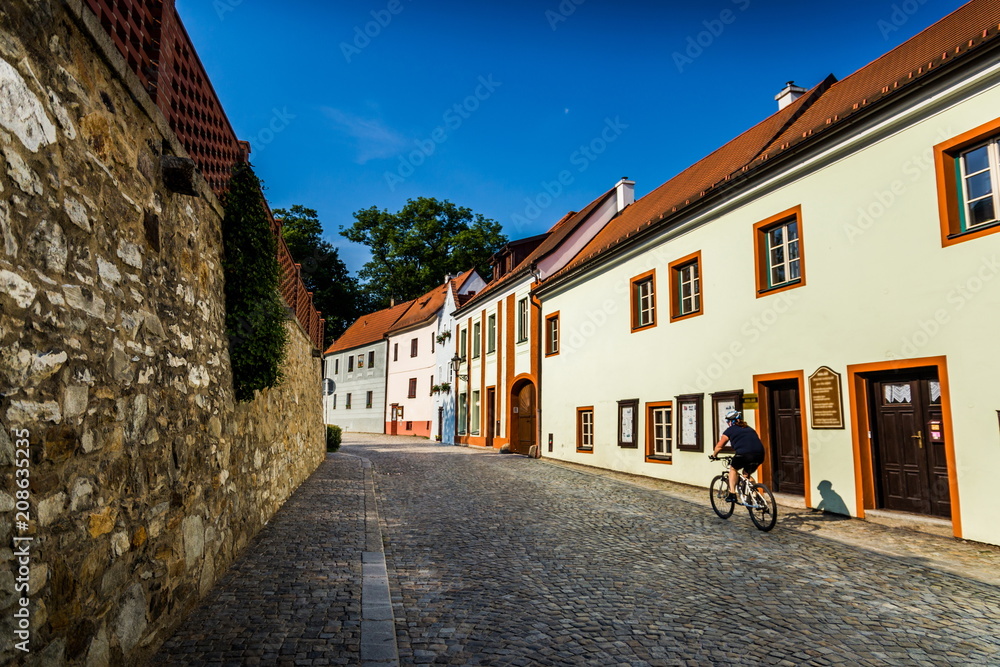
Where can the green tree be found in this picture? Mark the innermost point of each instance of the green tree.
(413, 249)
(255, 311)
(336, 293)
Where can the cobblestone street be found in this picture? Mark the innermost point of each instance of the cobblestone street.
(503, 560)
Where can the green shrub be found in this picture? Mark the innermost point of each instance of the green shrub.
(333, 434)
(255, 311)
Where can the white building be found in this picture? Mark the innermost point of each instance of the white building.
(355, 370)
(415, 376)
(877, 378)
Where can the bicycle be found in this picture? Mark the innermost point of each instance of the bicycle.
(757, 498)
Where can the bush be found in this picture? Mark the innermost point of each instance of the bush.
(333, 434)
(255, 311)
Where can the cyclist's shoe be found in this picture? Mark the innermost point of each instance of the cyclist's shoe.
(731, 498)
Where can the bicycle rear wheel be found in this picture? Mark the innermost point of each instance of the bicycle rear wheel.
(762, 508)
(718, 491)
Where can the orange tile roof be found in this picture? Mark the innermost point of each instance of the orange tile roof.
(369, 328)
(553, 238)
(825, 106)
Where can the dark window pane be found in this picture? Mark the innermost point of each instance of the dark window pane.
(979, 185)
(977, 160)
(981, 212)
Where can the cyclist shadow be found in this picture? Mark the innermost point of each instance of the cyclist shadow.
(831, 508)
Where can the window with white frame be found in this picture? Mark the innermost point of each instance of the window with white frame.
(522, 320)
(491, 334)
(477, 342)
(783, 254)
(661, 425)
(643, 301)
(688, 289)
(475, 412)
(585, 429)
(552, 334)
(463, 399)
(980, 174)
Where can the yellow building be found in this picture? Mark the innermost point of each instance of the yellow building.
(839, 261)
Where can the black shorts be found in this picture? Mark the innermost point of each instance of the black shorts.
(748, 463)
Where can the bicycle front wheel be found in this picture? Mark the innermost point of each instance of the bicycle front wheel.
(718, 491)
(763, 510)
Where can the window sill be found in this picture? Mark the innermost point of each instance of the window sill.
(659, 459)
(781, 288)
(686, 316)
(584, 451)
(644, 327)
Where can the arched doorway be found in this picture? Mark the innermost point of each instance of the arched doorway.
(523, 402)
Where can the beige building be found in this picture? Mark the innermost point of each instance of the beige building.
(839, 261)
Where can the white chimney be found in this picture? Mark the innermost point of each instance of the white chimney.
(625, 189)
(789, 94)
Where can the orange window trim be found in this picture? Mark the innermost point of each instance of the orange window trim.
(764, 427)
(634, 299)
(650, 431)
(760, 252)
(579, 429)
(864, 471)
(549, 352)
(675, 300)
(945, 155)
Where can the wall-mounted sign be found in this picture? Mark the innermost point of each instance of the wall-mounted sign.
(723, 402)
(827, 409)
(689, 425)
(627, 422)
(750, 402)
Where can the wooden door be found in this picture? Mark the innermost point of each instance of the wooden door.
(785, 430)
(525, 434)
(909, 444)
(488, 427)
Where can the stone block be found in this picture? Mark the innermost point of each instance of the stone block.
(102, 522)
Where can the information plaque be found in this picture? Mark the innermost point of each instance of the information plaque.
(825, 399)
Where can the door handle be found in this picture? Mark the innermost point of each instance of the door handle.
(919, 437)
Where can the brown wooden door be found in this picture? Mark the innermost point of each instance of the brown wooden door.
(525, 435)
(785, 430)
(488, 427)
(913, 470)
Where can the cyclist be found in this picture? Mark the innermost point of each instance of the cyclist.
(749, 449)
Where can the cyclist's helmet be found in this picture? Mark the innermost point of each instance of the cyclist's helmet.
(733, 415)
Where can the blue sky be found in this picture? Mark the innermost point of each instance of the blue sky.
(356, 104)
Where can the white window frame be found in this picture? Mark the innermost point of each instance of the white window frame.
(586, 429)
(663, 445)
(474, 428)
(522, 320)
(993, 167)
(785, 245)
(689, 274)
(646, 303)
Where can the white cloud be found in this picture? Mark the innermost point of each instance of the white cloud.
(372, 139)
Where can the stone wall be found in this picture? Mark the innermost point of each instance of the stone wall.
(146, 478)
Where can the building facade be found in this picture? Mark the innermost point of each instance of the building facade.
(872, 382)
(355, 369)
(498, 331)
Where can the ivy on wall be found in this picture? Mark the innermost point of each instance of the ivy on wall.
(255, 311)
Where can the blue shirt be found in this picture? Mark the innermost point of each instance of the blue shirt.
(744, 440)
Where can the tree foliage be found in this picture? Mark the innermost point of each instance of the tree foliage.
(413, 249)
(335, 292)
(255, 311)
